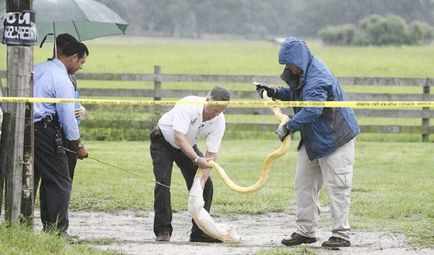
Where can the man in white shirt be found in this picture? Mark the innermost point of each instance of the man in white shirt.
(174, 139)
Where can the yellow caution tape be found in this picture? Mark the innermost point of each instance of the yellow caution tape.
(239, 103)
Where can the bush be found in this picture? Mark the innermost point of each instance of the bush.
(420, 33)
(385, 30)
(394, 31)
(344, 35)
(361, 38)
(339, 35)
(378, 30)
(372, 28)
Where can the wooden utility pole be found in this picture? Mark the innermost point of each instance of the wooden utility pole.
(5, 131)
(2, 145)
(19, 197)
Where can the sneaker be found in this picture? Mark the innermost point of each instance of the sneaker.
(335, 242)
(297, 239)
(204, 238)
(163, 236)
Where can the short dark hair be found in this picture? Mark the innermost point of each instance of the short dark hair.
(218, 94)
(64, 39)
(75, 48)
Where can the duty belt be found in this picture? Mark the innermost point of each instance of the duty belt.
(50, 120)
(157, 132)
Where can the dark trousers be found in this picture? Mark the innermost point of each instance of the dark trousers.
(51, 169)
(163, 155)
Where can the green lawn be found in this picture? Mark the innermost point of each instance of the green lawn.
(242, 57)
(392, 186)
(20, 240)
(392, 189)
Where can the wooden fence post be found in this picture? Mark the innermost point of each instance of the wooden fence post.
(426, 112)
(157, 83)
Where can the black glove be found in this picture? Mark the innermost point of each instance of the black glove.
(271, 92)
(282, 132)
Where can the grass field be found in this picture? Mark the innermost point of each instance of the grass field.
(392, 186)
(134, 55)
(20, 240)
(242, 57)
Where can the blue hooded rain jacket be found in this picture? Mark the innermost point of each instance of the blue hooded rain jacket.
(323, 130)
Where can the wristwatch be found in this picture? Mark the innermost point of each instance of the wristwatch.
(196, 160)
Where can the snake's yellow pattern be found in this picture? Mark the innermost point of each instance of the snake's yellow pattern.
(283, 118)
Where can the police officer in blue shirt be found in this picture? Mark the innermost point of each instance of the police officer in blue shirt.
(51, 123)
(61, 41)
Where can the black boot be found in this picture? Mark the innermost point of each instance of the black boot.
(199, 236)
(163, 236)
(335, 242)
(297, 239)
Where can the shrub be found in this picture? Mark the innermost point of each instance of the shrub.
(361, 38)
(385, 30)
(378, 30)
(339, 35)
(372, 27)
(420, 33)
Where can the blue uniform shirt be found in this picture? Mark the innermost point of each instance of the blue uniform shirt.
(77, 106)
(51, 80)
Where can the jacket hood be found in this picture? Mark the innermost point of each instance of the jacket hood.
(294, 51)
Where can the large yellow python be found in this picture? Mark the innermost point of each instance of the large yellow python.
(283, 118)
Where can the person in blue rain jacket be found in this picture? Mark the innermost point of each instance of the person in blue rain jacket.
(326, 151)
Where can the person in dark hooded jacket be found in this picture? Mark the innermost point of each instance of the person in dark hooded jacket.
(326, 150)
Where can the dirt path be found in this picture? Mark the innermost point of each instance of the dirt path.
(131, 233)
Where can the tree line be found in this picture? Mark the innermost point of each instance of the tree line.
(258, 18)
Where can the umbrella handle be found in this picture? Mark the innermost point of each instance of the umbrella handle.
(45, 38)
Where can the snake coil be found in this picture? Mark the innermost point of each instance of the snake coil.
(283, 118)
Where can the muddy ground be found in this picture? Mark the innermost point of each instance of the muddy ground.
(131, 233)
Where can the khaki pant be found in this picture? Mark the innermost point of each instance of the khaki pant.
(335, 171)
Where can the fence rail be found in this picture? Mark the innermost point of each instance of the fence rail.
(158, 93)
(347, 81)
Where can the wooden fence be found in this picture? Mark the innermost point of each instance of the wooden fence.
(422, 88)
